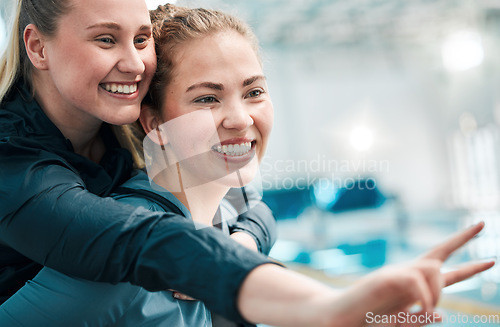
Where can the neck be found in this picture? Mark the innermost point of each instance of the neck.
(202, 201)
(82, 130)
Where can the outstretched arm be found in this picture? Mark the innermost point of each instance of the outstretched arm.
(47, 215)
(280, 297)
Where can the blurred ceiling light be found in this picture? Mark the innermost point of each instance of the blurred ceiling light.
(467, 122)
(153, 4)
(462, 51)
(361, 138)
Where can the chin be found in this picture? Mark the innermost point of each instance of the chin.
(241, 177)
(124, 117)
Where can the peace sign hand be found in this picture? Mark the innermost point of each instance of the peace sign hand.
(443, 251)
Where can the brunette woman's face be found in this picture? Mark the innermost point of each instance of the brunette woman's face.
(101, 60)
(217, 109)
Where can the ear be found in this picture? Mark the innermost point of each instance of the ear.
(34, 42)
(152, 126)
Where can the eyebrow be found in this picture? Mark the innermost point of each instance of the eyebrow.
(252, 79)
(115, 26)
(210, 85)
(220, 87)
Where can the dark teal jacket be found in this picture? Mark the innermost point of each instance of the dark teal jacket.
(54, 211)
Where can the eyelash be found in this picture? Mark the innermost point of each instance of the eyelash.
(214, 99)
(106, 40)
(261, 91)
(204, 99)
(144, 42)
(139, 41)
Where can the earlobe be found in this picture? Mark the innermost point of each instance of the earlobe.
(35, 47)
(150, 124)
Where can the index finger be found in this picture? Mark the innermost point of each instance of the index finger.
(443, 251)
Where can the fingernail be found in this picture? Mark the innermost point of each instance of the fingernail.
(482, 230)
(478, 223)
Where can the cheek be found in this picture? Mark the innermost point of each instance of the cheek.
(149, 59)
(77, 71)
(193, 133)
(264, 122)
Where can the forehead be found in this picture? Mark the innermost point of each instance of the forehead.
(216, 54)
(122, 12)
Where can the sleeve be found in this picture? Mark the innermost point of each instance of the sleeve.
(258, 221)
(47, 215)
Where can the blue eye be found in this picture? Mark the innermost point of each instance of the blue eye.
(141, 40)
(106, 40)
(255, 93)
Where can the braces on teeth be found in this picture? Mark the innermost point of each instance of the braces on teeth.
(234, 149)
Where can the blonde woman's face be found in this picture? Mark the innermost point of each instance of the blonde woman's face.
(101, 61)
(219, 106)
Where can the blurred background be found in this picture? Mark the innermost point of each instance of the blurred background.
(386, 137)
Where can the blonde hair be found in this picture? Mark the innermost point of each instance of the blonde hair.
(14, 62)
(9, 61)
(172, 27)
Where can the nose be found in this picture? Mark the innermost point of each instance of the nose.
(131, 61)
(236, 117)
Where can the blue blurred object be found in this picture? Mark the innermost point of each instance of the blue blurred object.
(303, 257)
(324, 194)
(373, 252)
(288, 203)
(357, 194)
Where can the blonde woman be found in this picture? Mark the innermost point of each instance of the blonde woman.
(71, 70)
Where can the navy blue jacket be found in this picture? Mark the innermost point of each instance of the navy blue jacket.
(55, 211)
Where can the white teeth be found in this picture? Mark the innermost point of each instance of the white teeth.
(120, 88)
(234, 149)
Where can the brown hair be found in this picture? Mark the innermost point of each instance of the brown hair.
(172, 27)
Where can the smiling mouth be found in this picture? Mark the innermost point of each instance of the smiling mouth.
(234, 150)
(116, 88)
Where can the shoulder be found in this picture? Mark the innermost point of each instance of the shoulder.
(129, 192)
(139, 190)
(21, 115)
(13, 107)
